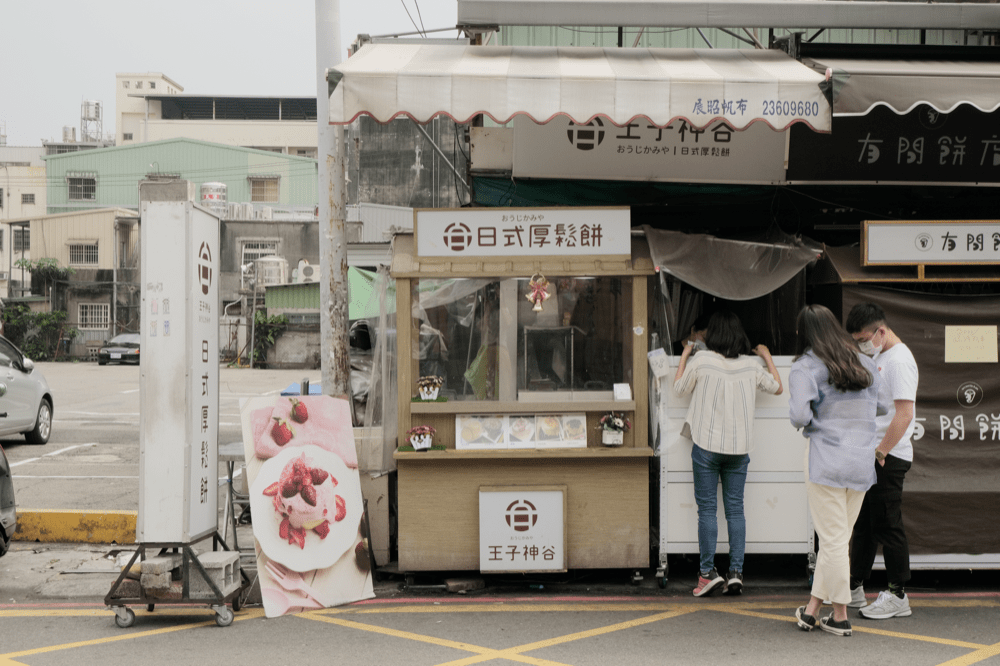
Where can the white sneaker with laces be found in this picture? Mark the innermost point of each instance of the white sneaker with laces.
(857, 598)
(886, 606)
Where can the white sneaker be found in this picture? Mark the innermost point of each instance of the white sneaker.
(887, 605)
(857, 598)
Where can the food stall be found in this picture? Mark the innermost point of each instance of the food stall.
(527, 328)
(764, 282)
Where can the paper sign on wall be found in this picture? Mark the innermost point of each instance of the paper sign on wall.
(970, 344)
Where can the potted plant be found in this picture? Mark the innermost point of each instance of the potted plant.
(421, 437)
(428, 387)
(613, 428)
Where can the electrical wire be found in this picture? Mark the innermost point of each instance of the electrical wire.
(402, 2)
(420, 16)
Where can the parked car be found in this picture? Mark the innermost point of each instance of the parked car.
(8, 511)
(25, 396)
(123, 348)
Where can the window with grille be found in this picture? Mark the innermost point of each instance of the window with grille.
(138, 84)
(27, 199)
(1, 197)
(152, 85)
(125, 84)
(127, 136)
(83, 254)
(82, 189)
(22, 240)
(264, 190)
(257, 248)
(93, 316)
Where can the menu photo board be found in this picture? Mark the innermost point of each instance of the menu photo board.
(521, 431)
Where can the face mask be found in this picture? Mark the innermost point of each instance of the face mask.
(868, 346)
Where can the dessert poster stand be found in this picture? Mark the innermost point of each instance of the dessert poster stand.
(306, 502)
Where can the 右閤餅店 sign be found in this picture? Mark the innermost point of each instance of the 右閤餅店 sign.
(510, 232)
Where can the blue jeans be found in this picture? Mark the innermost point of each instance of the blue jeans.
(708, 468)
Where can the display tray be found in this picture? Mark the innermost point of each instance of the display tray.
(513, 407)
(513, 454)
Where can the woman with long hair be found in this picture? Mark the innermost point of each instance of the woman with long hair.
(834, 400)
(725, 380)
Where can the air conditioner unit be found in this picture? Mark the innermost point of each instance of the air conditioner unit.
(307, 272)
(4, 275)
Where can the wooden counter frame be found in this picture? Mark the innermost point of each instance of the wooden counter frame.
(607, 498)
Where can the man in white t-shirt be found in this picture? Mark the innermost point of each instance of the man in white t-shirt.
(881, 517)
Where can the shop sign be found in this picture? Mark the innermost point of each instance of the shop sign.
(522, 528)
(931, 242)
(960, 147)
(519, 232)
(179, 396)
(643, 152)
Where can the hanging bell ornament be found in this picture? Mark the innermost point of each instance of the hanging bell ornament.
(539, 291)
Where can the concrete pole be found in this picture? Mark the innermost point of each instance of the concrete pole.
(334, 339)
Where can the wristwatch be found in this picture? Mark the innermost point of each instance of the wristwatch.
(879, 455)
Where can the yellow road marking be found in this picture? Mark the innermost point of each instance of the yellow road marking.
(867, 630)
(10, 656)
(975, 657)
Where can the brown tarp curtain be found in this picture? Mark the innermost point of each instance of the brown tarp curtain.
(953, 488)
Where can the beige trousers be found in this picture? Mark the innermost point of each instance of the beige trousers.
(834, 511)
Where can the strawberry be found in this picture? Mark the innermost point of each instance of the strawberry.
(309, 495)
(281, 432)
(283, 528)
(289, 490)
(318, 475)
(272, 489)
(341, 509)
(322, 529)
(299, 412)
(297, 536)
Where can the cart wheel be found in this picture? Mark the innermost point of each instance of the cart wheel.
(636, 578)
(128, 621)
(150, 607)
(224, 617)
(662, 582)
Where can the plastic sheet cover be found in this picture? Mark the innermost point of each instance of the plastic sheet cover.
(736, 270)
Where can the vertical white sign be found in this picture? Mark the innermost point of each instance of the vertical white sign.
(179, 385)
(522, 528)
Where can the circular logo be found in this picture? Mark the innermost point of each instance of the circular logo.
(969, 394)
(521, 515)
(205, 268)
(924, 242)
(931, 118)
(586, 137)
(457, 236)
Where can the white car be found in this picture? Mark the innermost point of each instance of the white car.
(25, 397)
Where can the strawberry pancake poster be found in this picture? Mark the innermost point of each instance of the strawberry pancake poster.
(306, 503)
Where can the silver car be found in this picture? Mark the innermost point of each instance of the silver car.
(25, 397)
(8, 511)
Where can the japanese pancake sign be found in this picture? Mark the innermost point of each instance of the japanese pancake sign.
(520, 431)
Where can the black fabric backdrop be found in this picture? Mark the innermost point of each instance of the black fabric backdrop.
(952, 491)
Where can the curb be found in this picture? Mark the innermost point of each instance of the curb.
(53, 525)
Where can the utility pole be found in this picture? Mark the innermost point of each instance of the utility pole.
(332, 194)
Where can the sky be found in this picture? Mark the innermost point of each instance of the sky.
(54, 54)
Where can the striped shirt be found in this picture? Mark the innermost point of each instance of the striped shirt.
(720, 417)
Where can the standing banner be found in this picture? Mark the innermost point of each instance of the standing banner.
(179, 374)
(306, 502)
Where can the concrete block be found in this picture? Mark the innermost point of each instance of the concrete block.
(464, 584)
(128, 589)
(161, 564)
(222, 566)
(156, 581)
(173, 591)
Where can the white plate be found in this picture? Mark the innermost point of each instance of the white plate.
(318, 553)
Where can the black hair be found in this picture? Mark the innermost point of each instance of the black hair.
(701, 323)
(726, 336)
(820, 331)
(864, 315)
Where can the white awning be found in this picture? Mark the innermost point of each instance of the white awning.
(902, 85)
(656, 86)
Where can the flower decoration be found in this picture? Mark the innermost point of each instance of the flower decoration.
(421, 430)
(615, 422)
(539, 291)
(430, 382)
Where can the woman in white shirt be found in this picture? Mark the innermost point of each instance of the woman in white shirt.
(725, 380)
